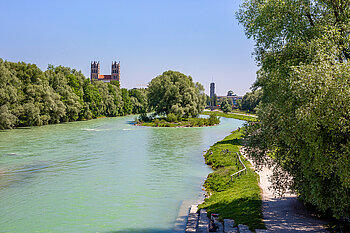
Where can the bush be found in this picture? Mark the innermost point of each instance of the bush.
(213, 119)
(171, 117)
(144, 118)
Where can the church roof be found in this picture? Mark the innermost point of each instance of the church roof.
(104, 76)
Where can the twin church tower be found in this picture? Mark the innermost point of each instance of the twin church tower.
(114, 76)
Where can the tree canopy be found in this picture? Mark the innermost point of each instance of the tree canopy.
(250, 100)
(303, 50)
(29, 96)
(225, 105)
(174, 92)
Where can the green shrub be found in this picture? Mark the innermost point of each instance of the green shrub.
(144, 118)
(171, 117)
(213, 119)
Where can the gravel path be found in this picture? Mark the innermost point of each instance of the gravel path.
(287, 214)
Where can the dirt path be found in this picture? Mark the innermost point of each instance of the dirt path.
(287, 214)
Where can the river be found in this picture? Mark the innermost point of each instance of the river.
(103, 175)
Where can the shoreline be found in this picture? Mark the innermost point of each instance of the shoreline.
(180, 126)
(232, 199)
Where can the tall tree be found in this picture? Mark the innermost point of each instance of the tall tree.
(138, 98)
(251, 100)
(174, 92)
(127, 104)
(225, 106)
(302, 48)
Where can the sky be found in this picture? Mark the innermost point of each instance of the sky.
(200, 38)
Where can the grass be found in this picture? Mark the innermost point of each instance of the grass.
(234, 115)
(239, 200)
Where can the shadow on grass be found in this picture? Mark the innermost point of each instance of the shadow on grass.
(244, 211)
(234, 142)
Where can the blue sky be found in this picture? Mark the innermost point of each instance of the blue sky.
(200, 38)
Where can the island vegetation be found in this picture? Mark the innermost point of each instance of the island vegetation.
(171, 120)
(176, 101)
(303, 51)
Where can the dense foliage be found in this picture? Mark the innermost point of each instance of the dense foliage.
(250, 101)
(303, 50)
(225, 105)
(29, 96)
(174, 92)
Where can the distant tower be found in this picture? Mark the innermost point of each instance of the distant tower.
(95, 70)
(212, 90)
(212, 94)
(116, 71)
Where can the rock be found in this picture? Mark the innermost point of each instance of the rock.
(203, 223)
(193, 209)
(228, 225)
(243, 229)
(261, 231)
(192, 220)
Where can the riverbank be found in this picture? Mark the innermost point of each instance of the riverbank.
(239, 199)
(235, 115)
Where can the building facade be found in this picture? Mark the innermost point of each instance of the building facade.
(114, 76)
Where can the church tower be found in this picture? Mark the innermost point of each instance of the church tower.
(116, 71)
(95, 70)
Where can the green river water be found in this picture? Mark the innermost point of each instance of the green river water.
(103, 175)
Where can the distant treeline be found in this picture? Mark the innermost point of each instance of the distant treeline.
(30, 96)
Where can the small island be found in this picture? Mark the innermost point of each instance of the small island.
(176, 101)
(172, 120)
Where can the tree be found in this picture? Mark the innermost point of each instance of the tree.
(303, 50)
(138, 98)
(174, 92)
(29, 96)
(214, 100)
(251, 100)
(225, 106)
(208, 100)
(92, 98)
(127, 105)
(7, 119)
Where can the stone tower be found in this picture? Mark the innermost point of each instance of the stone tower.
(95, 70)
(116, 71)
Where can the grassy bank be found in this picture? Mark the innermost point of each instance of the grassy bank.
(238, 116)
(239, 200)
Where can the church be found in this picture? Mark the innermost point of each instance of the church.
(114, 76)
